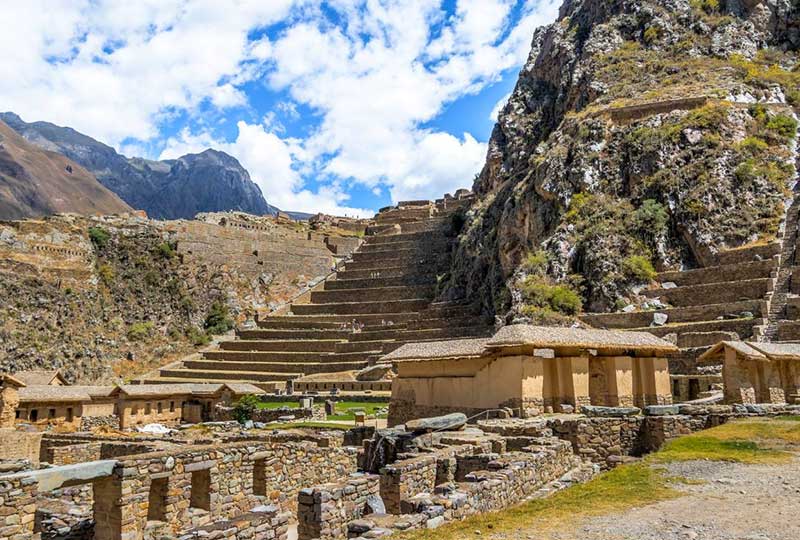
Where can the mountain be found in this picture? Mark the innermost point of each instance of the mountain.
(37, 182)
(641, 136)
(210, 181)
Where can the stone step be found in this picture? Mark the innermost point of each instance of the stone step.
(709, 312)
(292, 358)
(306, 368)
(439, 310)
(371, 283)
(267, 386)
(376, 294)
(703, 339)
(422, 272)
(283, 345)
(222, 355)
(360, 308)
(373, 346)
(788, 331)
(433, 334)
(716, 274)
(408, 265)
(792, 310)
(454, 321)
(402, 237)
(437, 243)
(714, 293)
(246, 376)
(742, 327)
(333, 321)
(427, 225)
(748, 254)
(293, 334)
(392, 255)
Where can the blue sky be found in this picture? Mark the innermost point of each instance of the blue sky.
(342, 107)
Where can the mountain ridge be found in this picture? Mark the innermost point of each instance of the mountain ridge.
(209, 181)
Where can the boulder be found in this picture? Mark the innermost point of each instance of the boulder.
(450, 422)
(661, 410)
(618, 412)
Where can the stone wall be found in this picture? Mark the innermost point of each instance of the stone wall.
(20, 445)
(75, 453)
(267, 416)
(263, 523)
(17, 508)
(88, 423)
(188, 488)
(323, 512)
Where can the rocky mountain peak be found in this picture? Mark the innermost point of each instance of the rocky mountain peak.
(641, 136)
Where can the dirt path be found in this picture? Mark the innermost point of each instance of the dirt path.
(734, 502)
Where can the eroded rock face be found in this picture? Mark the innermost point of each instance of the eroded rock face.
(632, 132)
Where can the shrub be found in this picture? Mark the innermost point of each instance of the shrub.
(106, 273)
(538, 292)
(218, 319)
(166, 250)
(197, 337)
(535, 262)
(785, 126)
(651, 35)
(753, 146)
(244, 408)
(638, 268)
(140, 331)
(651, 218)
(99, 237)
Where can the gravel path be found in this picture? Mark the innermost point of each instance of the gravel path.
(736, 502)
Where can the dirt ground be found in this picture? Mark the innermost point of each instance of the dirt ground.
(735, 501)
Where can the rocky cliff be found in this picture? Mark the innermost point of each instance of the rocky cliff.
(211, 181)
(641, 136)
(36, 182)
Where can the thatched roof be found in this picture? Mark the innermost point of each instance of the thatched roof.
(545, 337)
(53, 394)
(438, 350)
(38, 378)
(755, 350)
(166, 390)
(10, 380)
(244, 388)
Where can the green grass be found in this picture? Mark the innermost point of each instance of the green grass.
(344, 408)
(632, 485)
(628, 485)
(743, 441)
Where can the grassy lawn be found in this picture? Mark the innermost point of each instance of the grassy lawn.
(343, 408)
(632, 485)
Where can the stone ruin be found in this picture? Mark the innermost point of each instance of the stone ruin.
(220, 481)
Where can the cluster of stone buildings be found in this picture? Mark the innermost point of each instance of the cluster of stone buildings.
(44, 399)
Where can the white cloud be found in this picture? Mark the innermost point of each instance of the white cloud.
(499, 107)
(374, 76)
(110, 69)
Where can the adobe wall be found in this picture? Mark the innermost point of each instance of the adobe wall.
(56, 414)
(20, 445)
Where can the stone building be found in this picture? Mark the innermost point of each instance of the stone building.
(529, 370)
(757, 372)
(52, 405)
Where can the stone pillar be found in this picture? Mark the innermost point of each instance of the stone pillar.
(620, 381)
(9, 402)
(107, 493)
(661, 384)
(533, 386)
(573, 379)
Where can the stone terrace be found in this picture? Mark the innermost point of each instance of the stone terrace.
(388, 287)
(705, 305)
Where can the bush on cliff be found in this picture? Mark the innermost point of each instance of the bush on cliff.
(99, 237)
(140, 331)
(218, 320)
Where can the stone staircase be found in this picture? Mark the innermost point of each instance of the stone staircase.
(382, 299)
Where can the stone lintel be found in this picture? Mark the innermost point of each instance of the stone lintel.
(68, 475)
(199, 466)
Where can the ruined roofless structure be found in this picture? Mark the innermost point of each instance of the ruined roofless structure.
(530, 369)
(758, 372)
